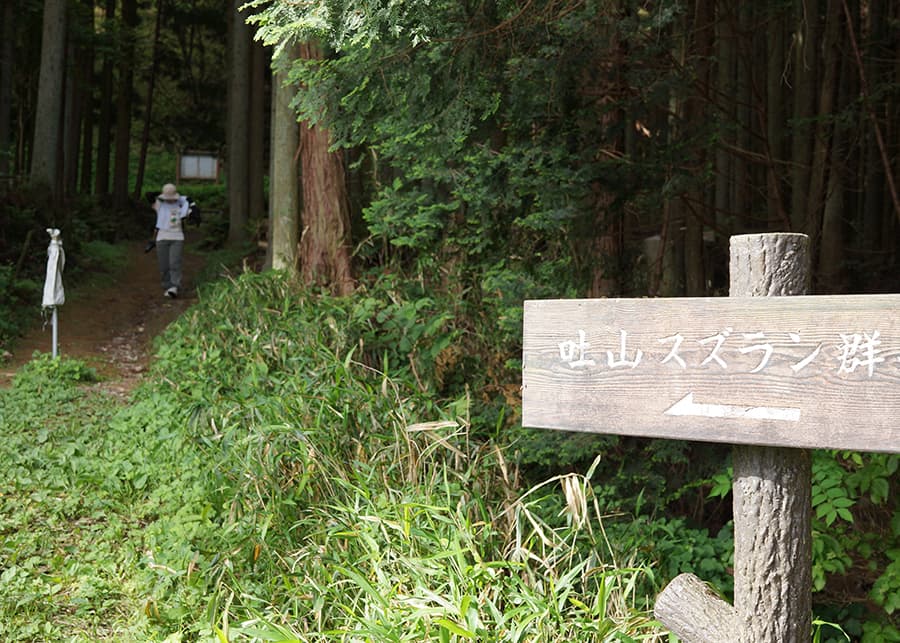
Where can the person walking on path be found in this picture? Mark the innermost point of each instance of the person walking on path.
(171, 211)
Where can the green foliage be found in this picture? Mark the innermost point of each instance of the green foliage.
(15, 313)
(61, 550)
(270, 481)
(856, 530)
(820, 626)
(45, 367)
(476, 130)
(354, 504)
(92, 263)
(291, 469)
(830, 498)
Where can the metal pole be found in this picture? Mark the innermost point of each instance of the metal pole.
(55, 322)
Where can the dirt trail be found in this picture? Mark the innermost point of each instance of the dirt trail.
(112, 328)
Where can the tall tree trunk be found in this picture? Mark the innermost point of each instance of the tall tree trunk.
(47, 136)
(805, 72)
(123, 104)
(325, 243)
(87, 105)
(7, 57)
(237, 135)
(671, 249)
(256, 131)
(78, 84)
(607, 234)
(104, 128)
(891, 228)
(832, 270)
(725, 88)
(743, 188)
(148, 110)
(776, 120)
(284, 193)
(865, 93)
(815, 197)
(696, 115)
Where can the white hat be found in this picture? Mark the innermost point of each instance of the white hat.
(169, 193)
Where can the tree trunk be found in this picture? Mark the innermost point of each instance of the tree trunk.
(284, 193)
(815, 196)
(325, 251)
(104, 126)
(831, 273)
(7, 57)
(87, 106)
(256, 130)
(75, 88)
(725, 88)
(237, 135)
(47, 135)
(607, 230)
(776, 121)
(743, 188)
(695, 111)
(805, 68)
(123, 104)
(270, 225)
(148, 109)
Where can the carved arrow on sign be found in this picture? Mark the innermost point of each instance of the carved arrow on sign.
(687, 406)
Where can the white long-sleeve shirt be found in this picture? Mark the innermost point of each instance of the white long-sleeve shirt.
(170, 217)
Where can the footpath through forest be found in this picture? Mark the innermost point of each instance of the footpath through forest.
(111, 328)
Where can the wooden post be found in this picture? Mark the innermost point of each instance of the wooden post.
(772, 486)
(772, 499)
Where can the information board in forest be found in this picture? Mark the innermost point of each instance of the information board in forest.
(807, 371)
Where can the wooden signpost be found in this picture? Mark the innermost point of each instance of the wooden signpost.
(777, 375)
(804, 372)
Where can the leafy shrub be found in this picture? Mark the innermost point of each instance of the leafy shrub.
(16, 295)
(348, 498)
(44, 367)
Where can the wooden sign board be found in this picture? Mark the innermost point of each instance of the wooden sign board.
(198, 166)
(808, 371)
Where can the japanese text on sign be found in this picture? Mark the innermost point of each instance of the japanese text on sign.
(856, 352)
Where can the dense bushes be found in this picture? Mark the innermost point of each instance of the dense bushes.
(271, 480)
(361, 498)
(365, 414)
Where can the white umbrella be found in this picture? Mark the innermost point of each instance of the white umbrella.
(54, 294)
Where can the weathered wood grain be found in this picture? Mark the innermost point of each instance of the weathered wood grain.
(690, 609)
(772, 488)
(835, 359)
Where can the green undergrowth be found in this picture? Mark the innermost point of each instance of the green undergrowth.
(274, 479)
(351, 505)
(290, 471)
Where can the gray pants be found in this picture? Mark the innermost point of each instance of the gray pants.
(169, 255)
